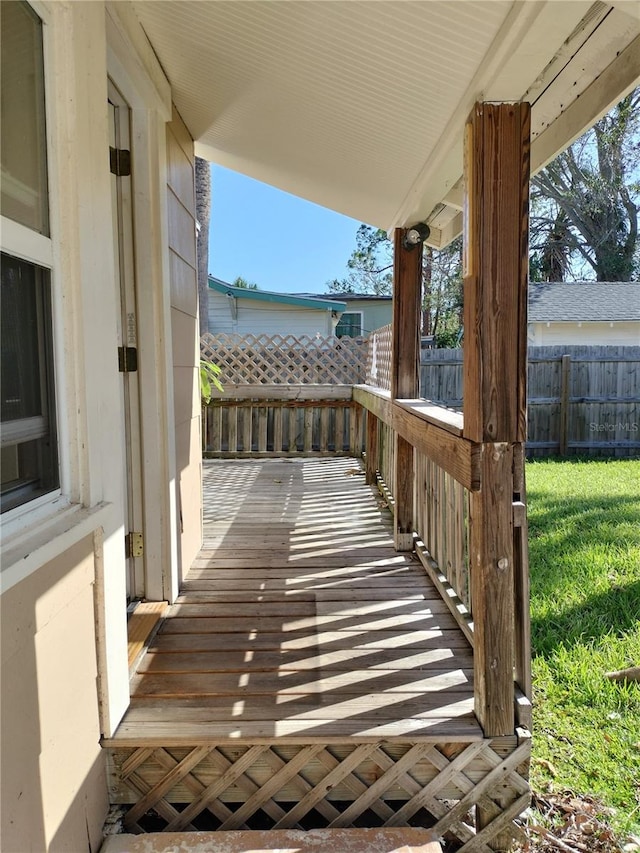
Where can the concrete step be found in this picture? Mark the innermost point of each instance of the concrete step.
(396, 840)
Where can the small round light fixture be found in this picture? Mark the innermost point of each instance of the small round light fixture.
(416, 235)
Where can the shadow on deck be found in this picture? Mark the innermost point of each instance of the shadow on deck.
(308, 675)
(298, 617)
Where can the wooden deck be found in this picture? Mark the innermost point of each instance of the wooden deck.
(299, 618)
(309, 676)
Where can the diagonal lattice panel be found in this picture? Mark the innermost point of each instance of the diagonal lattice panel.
(370, 783)
(278, 359)
(315, 796)
(378, 369)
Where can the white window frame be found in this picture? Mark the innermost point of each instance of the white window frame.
(27, 245)
(361, 314)
(39, 521)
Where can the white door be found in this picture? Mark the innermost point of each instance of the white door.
(123, 227)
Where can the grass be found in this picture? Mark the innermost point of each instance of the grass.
(584, 535)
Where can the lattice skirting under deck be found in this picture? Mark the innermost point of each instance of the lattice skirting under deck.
(468, 792)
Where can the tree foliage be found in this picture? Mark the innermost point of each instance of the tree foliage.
(209, 378)
(370, 265)
(442, 293)
(585, 203)
(584, 224)
(242, 282)
(371, 271)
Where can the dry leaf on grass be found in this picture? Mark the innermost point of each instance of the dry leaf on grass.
(568, 823)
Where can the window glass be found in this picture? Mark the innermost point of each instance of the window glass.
(29, 464)
(22, 131)
(349, 325)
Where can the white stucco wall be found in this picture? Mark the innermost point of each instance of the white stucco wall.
(584, 334)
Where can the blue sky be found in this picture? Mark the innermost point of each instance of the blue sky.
(274, 239)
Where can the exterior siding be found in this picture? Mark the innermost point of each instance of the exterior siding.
(54, 792)
(264, 318)
(64, 664)
(185, 337)
(586, 334)
(373, 315)
(220, 319)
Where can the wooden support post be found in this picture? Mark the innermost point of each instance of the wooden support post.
(496, 269)
(405, 376)
(495, 372)
(492, 590)
(371, 449)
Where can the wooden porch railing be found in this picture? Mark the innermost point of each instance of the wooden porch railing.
(284, 395)
(442, 525)
(447, 471)
(283, 420)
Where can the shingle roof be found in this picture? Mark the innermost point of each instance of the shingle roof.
(584, 302)
(348, 297)
(357, 297)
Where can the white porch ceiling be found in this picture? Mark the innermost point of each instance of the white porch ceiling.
(359, 106)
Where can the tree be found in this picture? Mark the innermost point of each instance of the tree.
(371, 271)
(585, 203)
(370, 265)
(203, 215)
(242, 282)
(442, 293)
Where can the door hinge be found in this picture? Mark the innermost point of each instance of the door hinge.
(120, 162)
(127, 359)
(134, 545)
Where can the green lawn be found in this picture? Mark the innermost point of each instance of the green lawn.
(584, 534)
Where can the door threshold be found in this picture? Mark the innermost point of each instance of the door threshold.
(142, 624)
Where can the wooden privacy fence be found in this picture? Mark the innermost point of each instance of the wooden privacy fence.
(580, 399)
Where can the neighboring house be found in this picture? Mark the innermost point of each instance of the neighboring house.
(241, 311)
(364, 313)
(602, 313)
(101, 463)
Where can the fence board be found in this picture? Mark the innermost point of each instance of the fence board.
(596, 411)
(280, 427)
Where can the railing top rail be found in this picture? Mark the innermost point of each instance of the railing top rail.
(432, 413)
(275, 391)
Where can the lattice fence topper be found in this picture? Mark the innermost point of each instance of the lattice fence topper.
(379, 358)
(286, 359)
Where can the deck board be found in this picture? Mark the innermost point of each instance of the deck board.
(298, 620)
